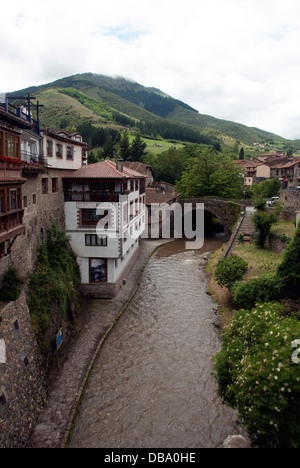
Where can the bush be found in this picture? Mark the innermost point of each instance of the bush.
(256, 375)
(263, 289)
(52, 289)
(12, 283)
(263, 222)
(229, 270)
(289, 269)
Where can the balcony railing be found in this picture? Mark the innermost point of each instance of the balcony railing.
(94, 196)
(9, 221)
(33, 158)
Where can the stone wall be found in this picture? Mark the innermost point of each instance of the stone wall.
(22, 380)
(40, 210)
(290, 200)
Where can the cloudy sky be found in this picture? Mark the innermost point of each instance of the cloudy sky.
(233, 59)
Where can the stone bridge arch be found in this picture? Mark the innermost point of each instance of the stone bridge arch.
(226, 211)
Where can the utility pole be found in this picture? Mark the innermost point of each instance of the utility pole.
(28, 98)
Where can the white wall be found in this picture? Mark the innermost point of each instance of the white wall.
(63, 163)
(115, 264)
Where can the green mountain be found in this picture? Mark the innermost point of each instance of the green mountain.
(116, 101)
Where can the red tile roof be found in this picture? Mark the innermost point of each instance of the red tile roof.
(138, 166)
(12, 180)
(159, 197)
(104, 170)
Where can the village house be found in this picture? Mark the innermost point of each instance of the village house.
(253, 170)
(111, 193)
(11, 180)
(31, 193)
(142, 168)
(288, 173)
(64, 150)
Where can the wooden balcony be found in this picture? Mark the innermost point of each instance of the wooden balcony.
(11, 225)
(93, 196)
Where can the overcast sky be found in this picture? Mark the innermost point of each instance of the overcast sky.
(233, 59)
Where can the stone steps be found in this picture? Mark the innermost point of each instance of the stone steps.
(246, 229)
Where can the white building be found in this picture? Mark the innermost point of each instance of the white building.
(105, 217)
(63, 150)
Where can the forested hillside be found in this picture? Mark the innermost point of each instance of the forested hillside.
(116, 101)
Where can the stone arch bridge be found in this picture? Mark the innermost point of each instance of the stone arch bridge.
(226, 211)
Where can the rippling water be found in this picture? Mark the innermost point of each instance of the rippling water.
(151, 385)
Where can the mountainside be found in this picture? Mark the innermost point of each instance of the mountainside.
(111, 101)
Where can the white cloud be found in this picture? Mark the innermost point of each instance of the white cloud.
(233, 59)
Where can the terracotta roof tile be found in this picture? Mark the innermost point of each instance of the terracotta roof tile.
(159, 197)
(104, 170)
(12, 180)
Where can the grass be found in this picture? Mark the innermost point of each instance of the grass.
(260, 261)
(162, 145)
(286, 228)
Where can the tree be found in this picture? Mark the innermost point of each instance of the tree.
(125, 150)
(209, 173)
(263, 221)
(137, 148)
(266, 189)
(242, 154)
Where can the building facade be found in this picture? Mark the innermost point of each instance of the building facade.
(64, 150)
(105, 217)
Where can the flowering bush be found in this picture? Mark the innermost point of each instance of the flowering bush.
(257, 376)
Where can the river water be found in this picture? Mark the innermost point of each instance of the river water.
(151, 386)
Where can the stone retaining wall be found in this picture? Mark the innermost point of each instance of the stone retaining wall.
(22, 379)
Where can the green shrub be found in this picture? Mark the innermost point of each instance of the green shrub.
(289, 269)
(263, 221)
(263, 289)
(52, 289)
(12, 283)
(229, 270)
(256, 375)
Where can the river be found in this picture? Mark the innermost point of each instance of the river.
(151, 385)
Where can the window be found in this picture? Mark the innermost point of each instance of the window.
(49, 148)
(2, 201)
(95, 240)
(25, 202)
(98, 270)
(12, 146)
(13, 200)
(59, 151)
(54, 185)
(89, 217)
(44, 186)
(34, 199)
(70, 152)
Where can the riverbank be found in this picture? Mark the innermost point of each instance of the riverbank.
(260, 262)
(54, 423)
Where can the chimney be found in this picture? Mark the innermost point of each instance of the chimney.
(120, 165)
